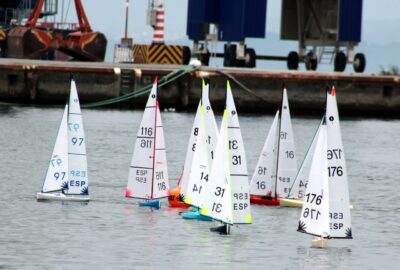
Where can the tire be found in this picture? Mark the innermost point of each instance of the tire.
(250, 58)
(311, 62)
(205, 58)
(230, 56)
(186, 54)
(340, 62)
(293, 60)
(359, 62)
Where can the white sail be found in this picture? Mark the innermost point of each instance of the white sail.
(287, 163)
(160, 177)
(263, 180)
(200, 169)
(314, 217)
(238, 165)
(183, 183)
(211, 129)
(57, 172)
(339, 211)
(227, 192)
(140, 179)
(218, 201)
(77, 163)
(300, 182)
(210, 134)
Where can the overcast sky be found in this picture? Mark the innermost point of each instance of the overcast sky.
(381, 21)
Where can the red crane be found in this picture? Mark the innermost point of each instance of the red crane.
(29, 41)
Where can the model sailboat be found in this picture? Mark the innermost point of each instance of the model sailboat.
(277, 165)
(297, 191)
(227, 191)
(199, 171)
(66, 177)
(326, 213)
(148, 175)
(204, 113)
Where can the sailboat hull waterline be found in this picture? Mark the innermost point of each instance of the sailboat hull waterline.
(286, 202)
(151, 203)
(319, 243)
(58, 196)
(263, 200)
(195, 215)
(175, 198)
(224, 229)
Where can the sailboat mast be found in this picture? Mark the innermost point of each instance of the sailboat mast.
(279, 142)
(154, 149)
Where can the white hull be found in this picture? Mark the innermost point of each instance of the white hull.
(57, 196)
(319, 243)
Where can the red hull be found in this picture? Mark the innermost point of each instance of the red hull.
(174, 199)
(261, 200)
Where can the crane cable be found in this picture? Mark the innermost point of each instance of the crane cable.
(144, 90)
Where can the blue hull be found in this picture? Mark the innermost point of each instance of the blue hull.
(153, 203)
(195, 215)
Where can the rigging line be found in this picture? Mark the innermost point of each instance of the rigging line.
(241, 84)
(308, 150)
(146, 89)
(66, 13)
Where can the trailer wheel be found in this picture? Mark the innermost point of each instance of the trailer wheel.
(311, 62)
(293, 60)
(250, 58)
(205, 58)
(230, 55)
(340, 62)
(359, 62)
(186, 55)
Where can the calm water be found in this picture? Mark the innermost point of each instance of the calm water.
(111, 232)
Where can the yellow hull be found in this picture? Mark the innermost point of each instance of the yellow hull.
(286, 202)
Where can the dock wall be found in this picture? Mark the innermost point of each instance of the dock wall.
(255, 91)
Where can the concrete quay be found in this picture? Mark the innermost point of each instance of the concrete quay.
(255, 91)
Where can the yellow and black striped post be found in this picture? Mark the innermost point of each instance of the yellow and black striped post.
(161, 54)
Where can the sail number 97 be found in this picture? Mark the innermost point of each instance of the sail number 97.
(60, 175)
(77, 141)
(73, 126)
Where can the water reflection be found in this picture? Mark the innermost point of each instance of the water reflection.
(322, 258)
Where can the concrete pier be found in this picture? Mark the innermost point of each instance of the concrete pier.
(256, 91)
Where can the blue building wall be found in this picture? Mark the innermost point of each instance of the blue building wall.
(350, 19)
(237, 19)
